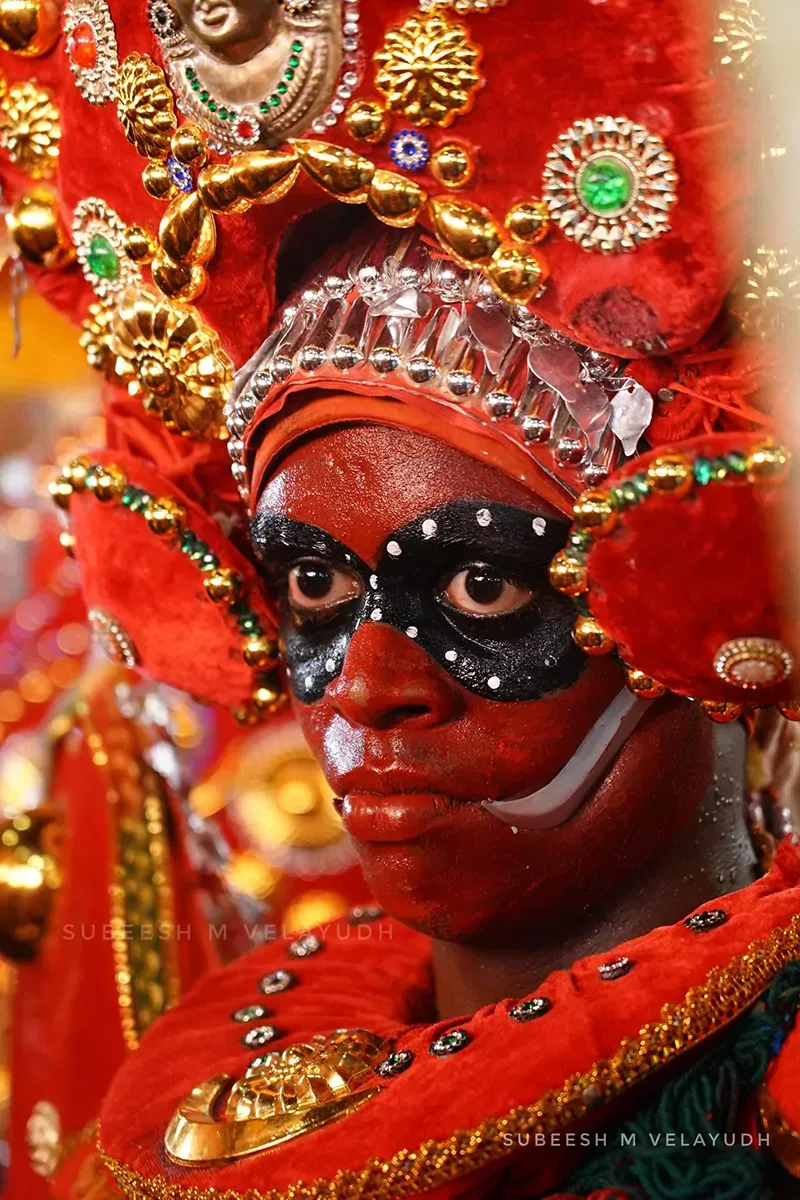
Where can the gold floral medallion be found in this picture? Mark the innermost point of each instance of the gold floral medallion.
(30, 129)
(145, 106)
(172, 362)
(428, 70)
(742, 31)
(283, 1095)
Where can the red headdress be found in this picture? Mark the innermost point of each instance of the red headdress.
(578, 183)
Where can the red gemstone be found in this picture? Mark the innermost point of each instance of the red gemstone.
(245, 131)
(82, 46)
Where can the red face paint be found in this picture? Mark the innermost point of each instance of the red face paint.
(411, 752)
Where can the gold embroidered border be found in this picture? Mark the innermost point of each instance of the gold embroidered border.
(705, 1009)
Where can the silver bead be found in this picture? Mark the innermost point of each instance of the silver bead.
(385, 359)
(500, 404)
(282, 368)
(239, 473)
(236, 449)
(420, 370)
(535, 429)
(595, 473)
(336, 287)
(346, 356)
(569, 450)
(461, 383)
(311, 358)
(260, 384)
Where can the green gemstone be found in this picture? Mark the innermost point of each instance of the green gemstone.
(618, 498)
(294, 61)
(606, 185)
(191, 73)
(223, 113)
(128, 495)
(288, 73)
(195, 85)
(703, 470)
(212, 107)
(205, 96)
(274, 101)
(188, 542)
(719, 470)
(281, 88)
(209, 562)
(101, 258)
(297, 46)
(736, 463)
(630, 493)
(263, 107)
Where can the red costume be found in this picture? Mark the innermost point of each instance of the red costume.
(500, 460)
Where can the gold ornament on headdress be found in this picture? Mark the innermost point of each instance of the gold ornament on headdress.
(172, 362)
(29, 28)
(95, 340)
(30, 129)
(427, 69)
(145, 106)
(767, 300)
(742, 30)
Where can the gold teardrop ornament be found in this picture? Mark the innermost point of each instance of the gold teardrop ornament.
(283, 1095)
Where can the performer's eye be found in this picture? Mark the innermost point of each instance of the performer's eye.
(318, 589)
(485, 591)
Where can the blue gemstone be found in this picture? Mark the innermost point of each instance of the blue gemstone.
(409, 150)
(180, 175)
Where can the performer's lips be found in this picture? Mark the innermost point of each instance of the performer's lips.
(403, 817)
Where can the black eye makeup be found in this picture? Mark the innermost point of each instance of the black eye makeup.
(466, 581)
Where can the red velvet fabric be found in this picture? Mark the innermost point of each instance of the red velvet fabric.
(380, 979)
(678, 577)
(157, 593)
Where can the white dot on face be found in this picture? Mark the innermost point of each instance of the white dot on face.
(450, 655)
(373, 582)
(394, 548)
(539, 526)
(376, 614)
(412, 631)
(483, 517)
(309, 682)
(429, 528)
(330, 666)
(493, 682)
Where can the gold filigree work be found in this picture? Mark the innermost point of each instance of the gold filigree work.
(428, 69)
(30, 129)
(286, 1094)
(172, 362)
(742, 31)
(706, 1009)
(145, 106)
(767, 299)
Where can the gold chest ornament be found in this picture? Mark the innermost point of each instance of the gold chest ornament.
(283, 1095)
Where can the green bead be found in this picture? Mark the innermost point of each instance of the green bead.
(606, 185)
(641, 483)
(297, 46)
(274, 101)
(579, 541)
(209, 562)
(191, 73)
(703, 470)
(127, 496)
(223, 114)
(195, 85)
(187, 542)
(205, 96)
(288, 73)
(736, 463)
(212, 107)
(630, 493)
(719, 470)
(282, 87)
(263, 107)
(294, 61)
(617, 496)
(101, 258)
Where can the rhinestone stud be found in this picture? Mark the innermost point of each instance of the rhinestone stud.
(395, 1064)
(253, 1012)
(450, 1043)
(529, 1010)
(305, 946)
(703, 921)
(615, 969)
(260, 1036)
(277, 981)
(363, 913)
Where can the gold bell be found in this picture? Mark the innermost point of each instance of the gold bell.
(107, 482)
(671, 473)
(223, 585)
(29, 28)
(768, 463)
(643, 685)
(721, 711)
(591, 638)
(594, 513)
(567, 575)
(260, 651)
(165, 517)
(60, 491)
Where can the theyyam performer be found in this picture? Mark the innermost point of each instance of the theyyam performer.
(441, 405)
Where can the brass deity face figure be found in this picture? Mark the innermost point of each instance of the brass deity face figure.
(235, 30)
(256, 72)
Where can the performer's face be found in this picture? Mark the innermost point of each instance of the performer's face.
(228, 26)
(432, 668)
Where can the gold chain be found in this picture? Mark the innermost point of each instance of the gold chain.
(705, 1009)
